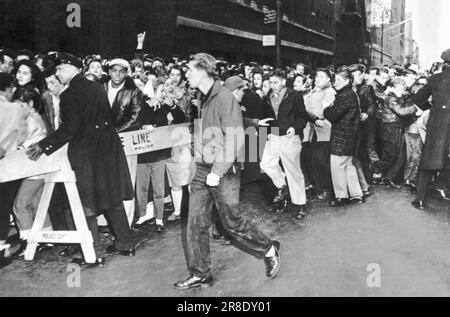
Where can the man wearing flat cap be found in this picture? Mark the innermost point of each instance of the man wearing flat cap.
(126, 102)
(436, 153)
(95, 153)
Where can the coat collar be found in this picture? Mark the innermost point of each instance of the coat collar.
(76, 80)
(289, 92)
(216, 88)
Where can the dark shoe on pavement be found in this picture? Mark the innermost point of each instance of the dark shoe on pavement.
(280, 207)
(151, 221)
(443, 193)
(357, 200)
(325, 195)
(390, 183)
(339, 202)
(4, 261)
(45, 247)
(412, 188)
(160, 228)
(418, 204)
(69, 251)
(221, 240)
(367, 193)
(302, 211)
(112, 250)
(273, 263)
(81, 262)
(21, 250)
(194, 282)
(281, 195)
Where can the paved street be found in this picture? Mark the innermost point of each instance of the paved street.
(327, 254)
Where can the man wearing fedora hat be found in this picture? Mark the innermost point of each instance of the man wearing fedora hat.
(95, 153)
(436, 153)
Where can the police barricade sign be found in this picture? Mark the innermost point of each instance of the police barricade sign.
(16, 165)
(144, 141)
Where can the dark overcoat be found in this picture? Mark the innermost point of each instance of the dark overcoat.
(95, 151)
(344, 116)
(436, 153)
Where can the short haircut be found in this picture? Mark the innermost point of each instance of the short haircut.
(327, 72)
(26, 53)
(303, 77)
(6, 52)
(49, 72)
(6, 81)
(345, 73)
(206, 62)
(27, 94)
(278, 73)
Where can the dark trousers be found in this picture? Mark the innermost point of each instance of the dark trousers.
(391, 137)
(7, 195)
(321, 168)
(59, 210)
(369, 140)
(425, 180)
(398, 167)
(118, 224)
(424, 183)
(226, 199)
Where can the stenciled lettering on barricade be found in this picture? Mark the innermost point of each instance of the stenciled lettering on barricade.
(142, 141)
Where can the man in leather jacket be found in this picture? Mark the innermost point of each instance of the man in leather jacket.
(126, 101)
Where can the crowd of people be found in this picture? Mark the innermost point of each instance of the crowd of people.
(330, 134)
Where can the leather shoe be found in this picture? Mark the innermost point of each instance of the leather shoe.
(325, 195)
(357, 200)
(390, 183)
(21, 250)
(100, 262)
(160, 228)
(302, 212)
(443, 193)
(45, 247)
(145, 223)
(281, 195)
(339, 202)
(69, 251)
(4, 261)
(418, 204)
(112, 250)
(273, 263)
(194, 282)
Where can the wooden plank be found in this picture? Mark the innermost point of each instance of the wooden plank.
(39, 220)
(143, 141)
(64, 237)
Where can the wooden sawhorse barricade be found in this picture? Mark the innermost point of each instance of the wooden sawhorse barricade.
(81, 235)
